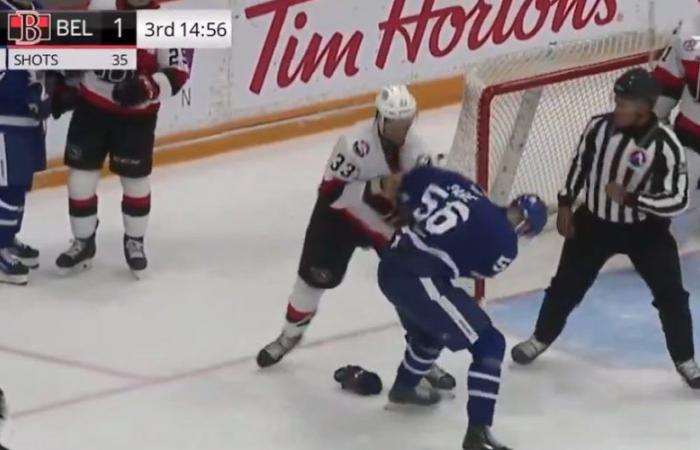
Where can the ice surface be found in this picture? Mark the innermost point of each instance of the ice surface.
(102, 361)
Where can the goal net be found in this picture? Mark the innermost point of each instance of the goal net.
(522, 115)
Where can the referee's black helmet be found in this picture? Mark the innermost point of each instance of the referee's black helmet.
(638, 84)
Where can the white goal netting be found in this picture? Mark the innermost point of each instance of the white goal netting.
(522, 115)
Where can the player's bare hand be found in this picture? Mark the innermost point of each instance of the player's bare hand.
(565, 222)
(616, 192)
(390, 186)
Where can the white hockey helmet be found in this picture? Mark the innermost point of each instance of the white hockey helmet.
(395, 104)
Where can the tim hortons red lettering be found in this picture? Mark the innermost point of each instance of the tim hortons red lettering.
(331, 56)
(580, 19)
(580, 13)
(474, 26)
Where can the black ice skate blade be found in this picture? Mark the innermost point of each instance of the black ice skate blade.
(30, 263)
(265, 360)
(410, 408)
(693, 385)
(138, 274)
(14, 280)
(75, 270)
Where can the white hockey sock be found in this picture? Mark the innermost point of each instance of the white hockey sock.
(82, 193)
(303, 303)
(136, 205)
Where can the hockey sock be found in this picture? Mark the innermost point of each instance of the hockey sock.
(11, 199)
(484, 378)
(82, 193)
(21, 200)
(136, 205)
(417, 361)
(303, 303)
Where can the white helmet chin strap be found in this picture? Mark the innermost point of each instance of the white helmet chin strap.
(381, 120)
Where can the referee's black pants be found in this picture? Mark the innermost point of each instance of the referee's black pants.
(654, 254)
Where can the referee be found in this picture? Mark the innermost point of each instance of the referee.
(633, 172)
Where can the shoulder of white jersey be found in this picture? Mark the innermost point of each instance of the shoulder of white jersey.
(420, 152)
(360, 140)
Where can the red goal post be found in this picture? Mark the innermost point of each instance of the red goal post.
(523, 114)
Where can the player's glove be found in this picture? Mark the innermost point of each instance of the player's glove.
(136, 90)
(64, 97)
(358, 380)
(38, 101)
(380, 194)
(438, 160)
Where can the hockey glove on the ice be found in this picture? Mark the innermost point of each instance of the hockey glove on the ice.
(134, 91)
(358, 380)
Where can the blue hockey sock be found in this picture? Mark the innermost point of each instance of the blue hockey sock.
(20, 218)
(417, 361)
(484, 378)
(11, 208)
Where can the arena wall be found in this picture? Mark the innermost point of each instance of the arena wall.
(304, 66)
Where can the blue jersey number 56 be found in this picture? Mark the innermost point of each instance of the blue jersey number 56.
(439, 215)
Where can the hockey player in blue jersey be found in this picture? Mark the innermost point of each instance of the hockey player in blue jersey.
(23, 107)
(452, 231)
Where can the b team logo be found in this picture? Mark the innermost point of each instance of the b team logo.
(28, 27)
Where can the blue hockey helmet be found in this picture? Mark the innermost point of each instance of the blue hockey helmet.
(534, 213)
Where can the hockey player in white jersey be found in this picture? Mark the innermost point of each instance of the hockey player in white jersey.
(115, 117)
(678, 72)
(351, 212)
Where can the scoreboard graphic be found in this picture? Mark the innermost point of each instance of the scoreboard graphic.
(104, 40)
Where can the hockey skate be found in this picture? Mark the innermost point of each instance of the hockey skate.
(420, 396)
(78, 257)
(273, 352)
(527, 351)
(135, 255)
(690, 372)
(26, 254)
(479, 437)
(12, 271)
(439, 378)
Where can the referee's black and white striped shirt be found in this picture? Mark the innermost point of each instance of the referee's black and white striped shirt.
(649, 163)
